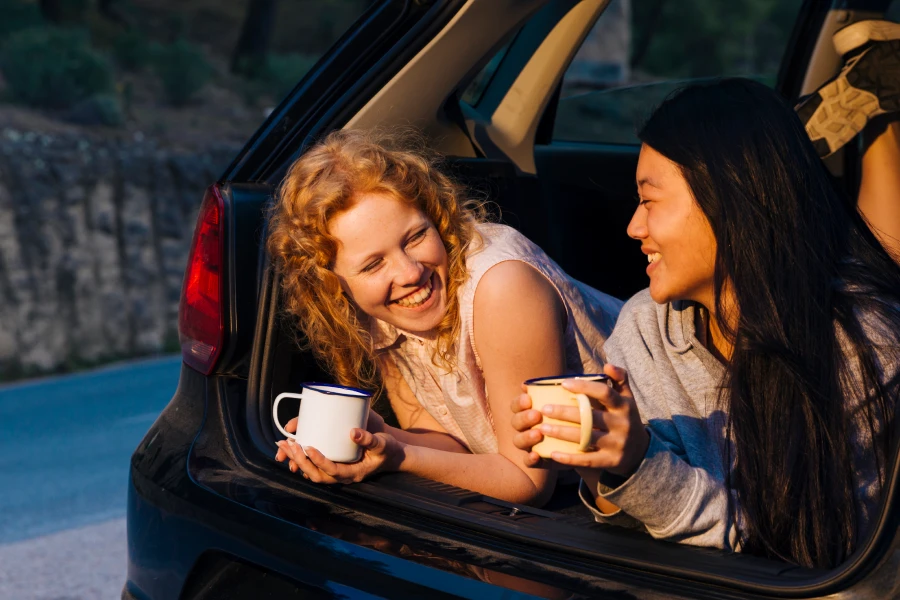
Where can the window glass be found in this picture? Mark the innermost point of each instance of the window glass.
(473, 92)
(893, 12)
(639, 51)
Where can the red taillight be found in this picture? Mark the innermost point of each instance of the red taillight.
(201, 328)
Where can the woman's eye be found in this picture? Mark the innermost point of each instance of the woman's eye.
(417, 236)
(372, 266)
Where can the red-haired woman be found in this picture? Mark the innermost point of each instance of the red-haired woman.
(396, 280)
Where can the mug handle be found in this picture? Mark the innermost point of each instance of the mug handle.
(293, 436)
(586, 412)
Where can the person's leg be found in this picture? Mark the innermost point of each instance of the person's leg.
(864, 98)
(867, 86)
(879, 189)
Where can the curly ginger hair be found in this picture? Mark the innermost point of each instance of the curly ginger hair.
(325, 181)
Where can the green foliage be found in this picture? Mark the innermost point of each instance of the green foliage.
(133, 51)
(282, 72)
(53, 68)
(183, 71)
(99, 109)
(700, 38)
(70, 11)
(275, 78)
(18, 15)
(109, 108)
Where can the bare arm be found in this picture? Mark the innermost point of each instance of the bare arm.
(879, 189)
(519, 334)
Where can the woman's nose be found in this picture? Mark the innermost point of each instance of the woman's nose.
(637, 228)
(409, 271)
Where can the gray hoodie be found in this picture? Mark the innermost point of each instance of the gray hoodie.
(678, 491)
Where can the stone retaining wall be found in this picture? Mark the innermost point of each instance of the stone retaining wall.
(94, 236)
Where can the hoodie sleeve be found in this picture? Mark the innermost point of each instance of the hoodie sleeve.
(673, 500)
(678, 491)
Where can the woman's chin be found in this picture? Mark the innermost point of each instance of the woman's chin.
(659, 294)
(423, 321)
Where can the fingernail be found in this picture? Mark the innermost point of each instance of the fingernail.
(547, 409)
(290, 442)
(545, 428)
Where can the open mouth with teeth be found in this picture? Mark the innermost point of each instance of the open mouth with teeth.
(653, 257)
(418, 297)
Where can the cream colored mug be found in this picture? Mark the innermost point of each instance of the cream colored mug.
(549, 390)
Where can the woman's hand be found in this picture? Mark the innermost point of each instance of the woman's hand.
(374, 424)
(524, 418)
(381, 452)
(619, 440)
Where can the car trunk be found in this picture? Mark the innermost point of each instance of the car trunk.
(562, 209)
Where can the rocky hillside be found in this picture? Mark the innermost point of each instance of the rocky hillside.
(94, 234)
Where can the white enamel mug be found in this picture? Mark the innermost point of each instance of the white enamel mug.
(328, 413)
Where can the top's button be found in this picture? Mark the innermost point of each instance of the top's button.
(443, 411)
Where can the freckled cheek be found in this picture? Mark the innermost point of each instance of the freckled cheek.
(370, 294)
(434, 257)
(433, 253)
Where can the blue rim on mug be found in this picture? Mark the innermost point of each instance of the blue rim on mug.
(544, 380)
(359, 392)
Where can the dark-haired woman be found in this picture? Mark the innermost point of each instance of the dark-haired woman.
(756, 380)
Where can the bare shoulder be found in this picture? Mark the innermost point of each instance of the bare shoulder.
(513, 280)
(515, 293)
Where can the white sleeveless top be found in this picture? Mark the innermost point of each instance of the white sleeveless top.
(458, 399)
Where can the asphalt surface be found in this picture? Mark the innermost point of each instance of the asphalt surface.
(65, 444)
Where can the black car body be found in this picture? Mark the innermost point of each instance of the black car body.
(212, 515)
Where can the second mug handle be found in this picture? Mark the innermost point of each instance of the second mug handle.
(586, 412)
(293, 436)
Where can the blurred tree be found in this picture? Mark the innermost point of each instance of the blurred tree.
(698, 38)
(51, 10)
(64, 11)
(18, 15)
(112, 11)
(650, 21)
(256, 37)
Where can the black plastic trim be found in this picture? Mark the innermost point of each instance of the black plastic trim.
(245, 207)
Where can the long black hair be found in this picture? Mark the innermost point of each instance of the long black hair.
(804, 384)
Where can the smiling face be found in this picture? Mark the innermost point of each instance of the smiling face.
(674, 233)
(391, 262)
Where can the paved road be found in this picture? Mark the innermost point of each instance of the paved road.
(65, 443)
